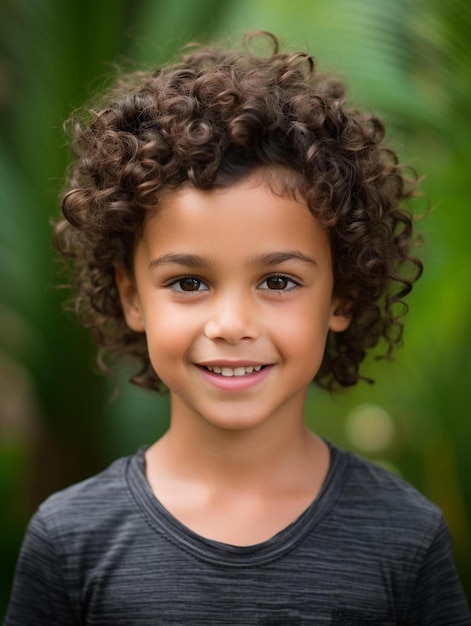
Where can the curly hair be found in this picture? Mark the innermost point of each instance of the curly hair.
(211, 119)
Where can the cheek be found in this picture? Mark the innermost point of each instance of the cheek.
(168, 339)
(309, 324)
(304, 339)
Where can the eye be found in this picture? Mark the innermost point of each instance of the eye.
(279, 282)
(188, 283)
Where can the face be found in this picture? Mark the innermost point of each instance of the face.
(233, 289)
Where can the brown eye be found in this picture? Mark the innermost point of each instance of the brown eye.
(277, 282)
(189, 283)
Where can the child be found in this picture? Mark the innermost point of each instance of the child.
(238, 228)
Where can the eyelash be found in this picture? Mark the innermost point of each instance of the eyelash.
(176, 284)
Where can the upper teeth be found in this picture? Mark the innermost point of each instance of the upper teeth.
(237, 371)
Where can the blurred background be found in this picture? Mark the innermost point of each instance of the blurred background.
(409, 60)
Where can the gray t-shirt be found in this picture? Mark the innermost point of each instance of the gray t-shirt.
(369, 550)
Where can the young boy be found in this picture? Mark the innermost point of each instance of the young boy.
(238, 228)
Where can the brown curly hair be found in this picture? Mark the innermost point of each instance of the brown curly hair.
(211, 119)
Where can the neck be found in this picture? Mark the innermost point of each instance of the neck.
(275, 453)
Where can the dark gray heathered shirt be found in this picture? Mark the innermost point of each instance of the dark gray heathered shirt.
(369, 550)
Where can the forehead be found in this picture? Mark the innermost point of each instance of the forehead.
(237, 221)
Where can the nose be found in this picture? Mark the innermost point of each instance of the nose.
(232, 318)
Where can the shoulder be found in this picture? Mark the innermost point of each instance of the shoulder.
(90, 506)
(384, 506)
(381, 530)
(73, 539)
(368, 483)
(101, 488)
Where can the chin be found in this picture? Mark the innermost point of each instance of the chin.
(236, 423)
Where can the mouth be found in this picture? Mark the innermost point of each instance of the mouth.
(229, 372)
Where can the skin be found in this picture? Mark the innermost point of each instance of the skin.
(239, 277)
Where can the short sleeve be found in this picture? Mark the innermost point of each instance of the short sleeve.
(38, 595)
(438, 598)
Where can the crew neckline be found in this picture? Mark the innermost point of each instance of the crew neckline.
(219, 553)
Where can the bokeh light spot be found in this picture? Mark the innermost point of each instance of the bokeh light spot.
(370, 428)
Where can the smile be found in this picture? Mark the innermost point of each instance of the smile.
(236, 371)
(236, 379)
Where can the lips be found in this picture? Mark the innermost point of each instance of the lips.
(236, 377)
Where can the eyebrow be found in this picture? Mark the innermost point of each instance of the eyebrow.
(195, 260)
(274, 258)
(189, 260)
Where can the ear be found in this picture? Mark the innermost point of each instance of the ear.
(129, 297)
(340, 316)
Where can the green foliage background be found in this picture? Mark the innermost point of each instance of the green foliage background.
(407, 59)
